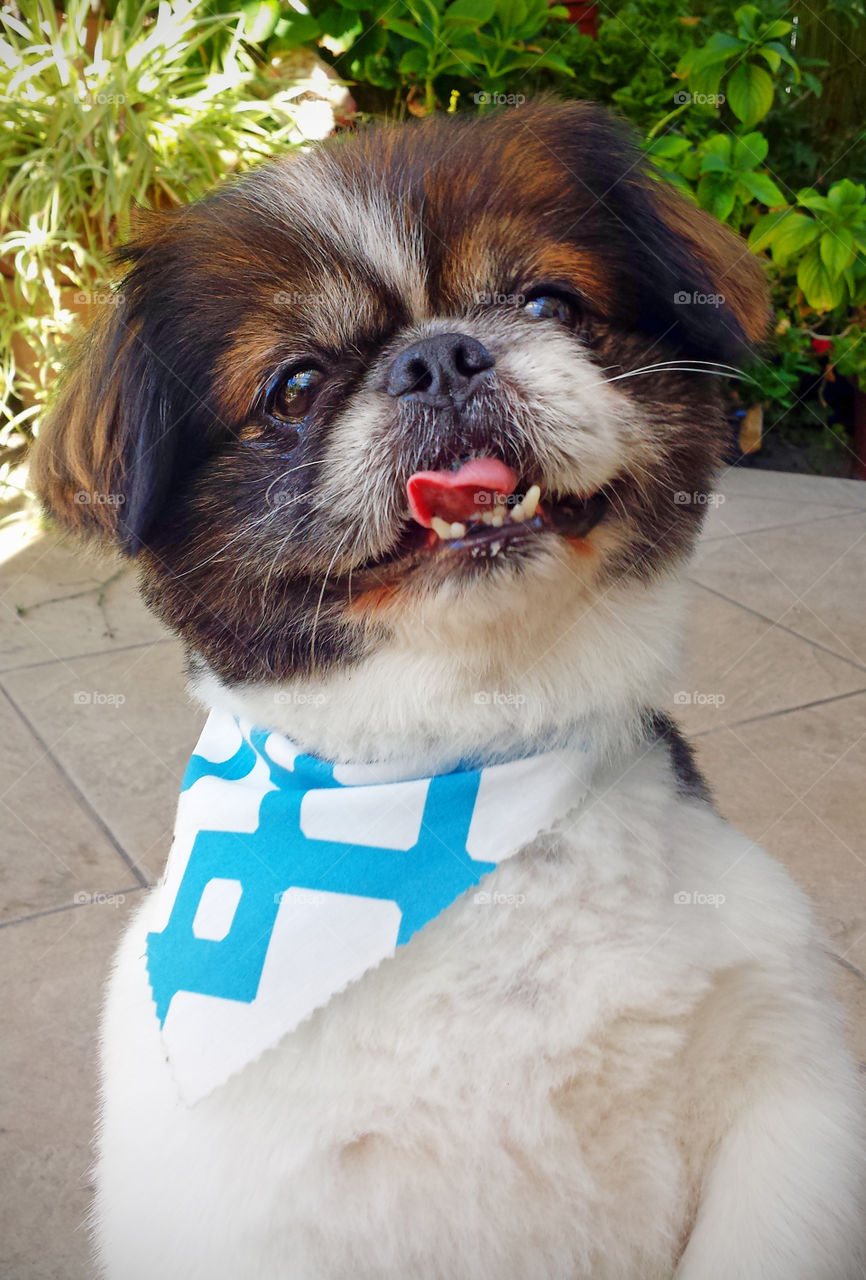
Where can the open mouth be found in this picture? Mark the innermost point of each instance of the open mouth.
(483, 508)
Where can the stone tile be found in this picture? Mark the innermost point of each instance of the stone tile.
(735, 513)
(123, 729)
(794, 784)
(52, 849)
(51, 976)
(36, 567)
(791, 487)
(809, 577)
(737, 666)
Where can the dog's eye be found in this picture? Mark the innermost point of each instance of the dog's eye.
(291, 394)
(554, 306)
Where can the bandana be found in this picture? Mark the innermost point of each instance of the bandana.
(289, 878)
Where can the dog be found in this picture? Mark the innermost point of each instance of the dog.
(397, 432)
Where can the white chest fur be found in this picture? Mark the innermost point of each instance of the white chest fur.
(528, 1090)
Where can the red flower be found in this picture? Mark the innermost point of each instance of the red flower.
(821, 345)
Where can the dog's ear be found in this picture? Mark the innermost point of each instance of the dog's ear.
(132, 414)
(681, 275)
(102, 461)
(699, 284)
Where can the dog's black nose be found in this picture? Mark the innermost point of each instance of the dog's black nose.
(435, 368)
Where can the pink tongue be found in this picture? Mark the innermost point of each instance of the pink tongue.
(459, 495)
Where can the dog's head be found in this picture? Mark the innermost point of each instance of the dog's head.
(421, 385)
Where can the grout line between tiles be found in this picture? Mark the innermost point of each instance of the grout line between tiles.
(783, 711)
(778, 626)
(842, 514)
(730, 475)
(70, 906)
(93, 653)
(846, 964)
(82, 798)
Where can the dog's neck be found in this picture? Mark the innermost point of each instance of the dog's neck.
(440, 692)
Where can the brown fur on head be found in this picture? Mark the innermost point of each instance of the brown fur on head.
(275, 547)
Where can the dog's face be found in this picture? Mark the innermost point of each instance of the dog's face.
(395, 380)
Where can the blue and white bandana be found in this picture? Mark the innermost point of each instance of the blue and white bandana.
(289, 878)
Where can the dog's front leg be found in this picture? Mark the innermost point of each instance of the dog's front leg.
(782, 1194)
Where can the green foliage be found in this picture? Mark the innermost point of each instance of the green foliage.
(148, 108)
(478, 44)
(110, 106)
(750, 66)
(484, 41)
(822, 239)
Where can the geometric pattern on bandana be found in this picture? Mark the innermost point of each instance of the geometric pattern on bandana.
(290, 877)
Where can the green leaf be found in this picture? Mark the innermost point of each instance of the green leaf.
(794, 235)
(821, 293)
(716, 196)
(775, 30)
(511, 13)
(711, 162)
(469, 13)
(846, 193)
(413, 63)
(669, 147)
(290, 32)
(410, 31)
(765, 229)
(339, 23)
(838, 251)
(783, 54)
(260, 20)
(746, 17)
(750, 92)
(719, 48)
(719, 144)
(763, 188)
(749, 151)
(809, 199)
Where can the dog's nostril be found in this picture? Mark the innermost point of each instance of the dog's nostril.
(448, 364)
(471, 357)
(418, 375)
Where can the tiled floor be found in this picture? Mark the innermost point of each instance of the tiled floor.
(96, 730)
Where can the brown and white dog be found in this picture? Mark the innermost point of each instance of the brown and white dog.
(387, 425)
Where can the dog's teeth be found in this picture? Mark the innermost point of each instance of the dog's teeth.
(530, 501)
(486, 517)
(494, 548)
(458, 530)
(442, 527)
(518, 514)
(498, 518)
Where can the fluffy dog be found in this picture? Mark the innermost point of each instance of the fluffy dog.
(409, 437)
